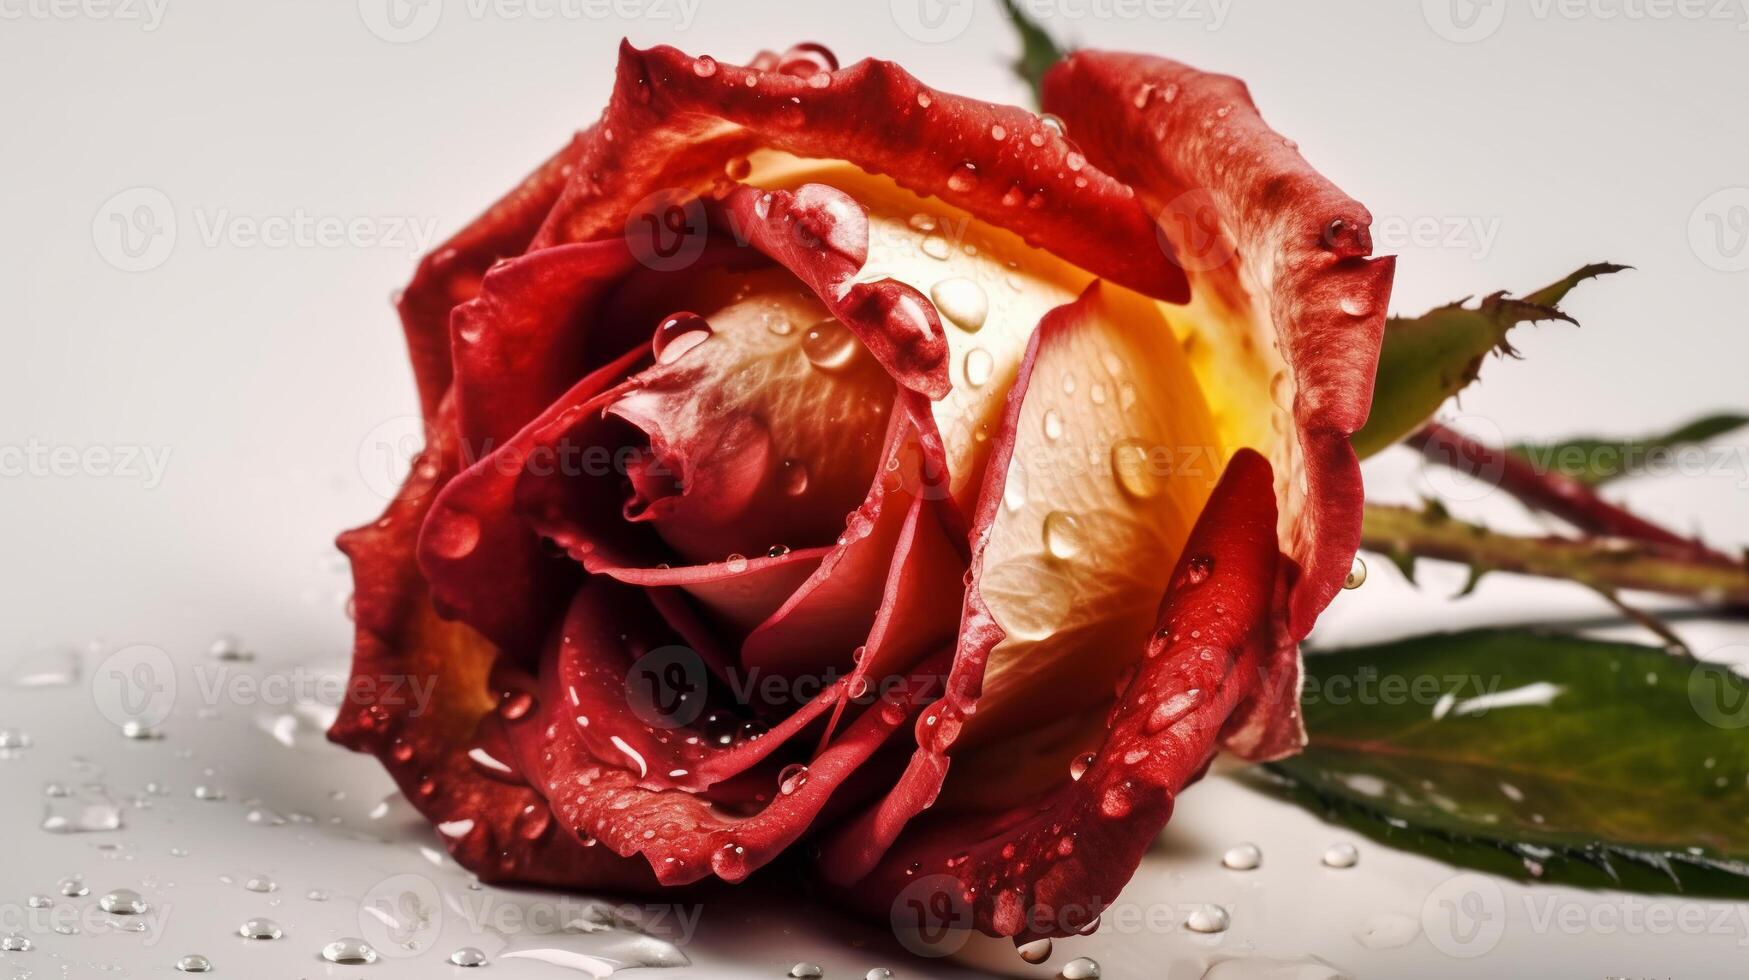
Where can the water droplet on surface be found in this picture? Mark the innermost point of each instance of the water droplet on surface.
(829, 345)
(41, 902)
(1054, 124)
(261, 883)
(935, 247)
(1062, 534)
(14, 943)
(73, 886)
(468, 956)
(794, 478)
(1207, 919)
(1242, 857)
(349, 950)
(736, 563)
(1355, 305)
(1081, 968)
(963, 178)
(56, 667)
(806, 971)
(318, 894)
(194, 963)
(1036, 951)
(229, 647)
(793, 777)
(1388, 930)
(260, 929)
(923, 99)
(1131, 468)
(12, 740)
(139, 731)
(1341, 856)
(678, 334)
(87, 810)
(1171, 710)
(962, 301)
(1356, 574)
(1053, 424)
(704, 66)
(979, 367)
(777, 551)
(1080, 764)
(123, 901)
(209, 793)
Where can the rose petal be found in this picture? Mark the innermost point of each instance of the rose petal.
(1049, 867)
(1277, 258)
(418, 691)
(674, 120)
(451, 274)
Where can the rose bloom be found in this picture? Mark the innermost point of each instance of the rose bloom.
(819, 462)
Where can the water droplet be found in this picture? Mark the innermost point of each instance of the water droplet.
(829, 345)
(1053, 424)
(1014, 488)
(227, 646)
(1242, 857)
(139, 731)
(922, 222)
(1197, 570)
(1054, 124)
(1341, 856)
(73, 886)
(41, 902)
(123, 901)
(468, 956)
(704, 66)
(923, 99)
(261, 883)
(793, 777)
(1356, 305)
(1081, 968)
(14, 943)
(87, 810)
(194, 963)
(1080, 764)
(678, 334)
(11, 740)
(1170, 710)
(777, 551)
(1062, 534)
(736, 563)
(260, 929)
(1208, 919)
(1131, 468)
(318, 894)
(209, 793)
(806, 971)
(962, 301)
(349, 950)
(1035, 952)
(997, 132)
(963, 178)
(1388, 930)
(979, 367)
(936, 247)
(794, 478)
(1356, 574)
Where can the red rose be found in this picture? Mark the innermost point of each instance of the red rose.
(812, 453)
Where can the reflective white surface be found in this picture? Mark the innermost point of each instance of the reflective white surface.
(260, 395)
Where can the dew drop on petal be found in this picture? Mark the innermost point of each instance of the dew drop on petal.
(936, 247)
(794, 478)
(678, 334)
(1062, 535)
(829, 345)
(1131, 468)
(1356, 574)
(793, 777)
(979, 367)
(1053, 123)
(962, 301)
(704, 66)
(1053, 424)
(1081, 763)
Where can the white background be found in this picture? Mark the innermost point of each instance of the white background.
(271, 375)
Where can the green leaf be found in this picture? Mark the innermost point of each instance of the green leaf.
(1596, 460)
(1038, 50)
(1535, 755)
(1429, 358)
